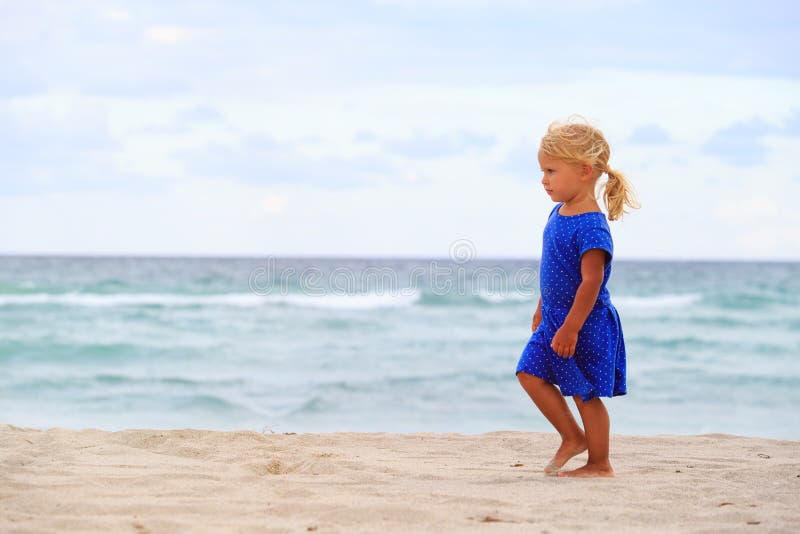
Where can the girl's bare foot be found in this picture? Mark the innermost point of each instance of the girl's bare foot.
(589, 470)
(568, 449)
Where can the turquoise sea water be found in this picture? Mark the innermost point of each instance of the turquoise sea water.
(323, 345)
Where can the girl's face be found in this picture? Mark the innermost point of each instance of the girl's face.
(562, 180)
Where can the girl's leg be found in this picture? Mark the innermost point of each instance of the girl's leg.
(597, 425)
(551, 403)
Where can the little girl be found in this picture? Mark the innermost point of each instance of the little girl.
(577, 341)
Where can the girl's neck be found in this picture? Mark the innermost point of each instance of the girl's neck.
(576, 206)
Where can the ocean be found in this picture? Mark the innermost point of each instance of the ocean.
(379, 345)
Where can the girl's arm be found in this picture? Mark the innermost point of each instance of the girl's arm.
(537, 316)
(592, 267)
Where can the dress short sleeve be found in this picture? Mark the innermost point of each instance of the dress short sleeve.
(595, 234)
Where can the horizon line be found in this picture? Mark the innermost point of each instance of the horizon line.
(137, 255)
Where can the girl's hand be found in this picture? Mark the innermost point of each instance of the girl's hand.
(537, 320)
(564, 342)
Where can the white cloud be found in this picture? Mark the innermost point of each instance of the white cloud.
(749, 209)
(118, 15)
(273, 204)
(167, 34)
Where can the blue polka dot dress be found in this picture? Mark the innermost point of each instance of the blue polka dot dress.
(597, 368)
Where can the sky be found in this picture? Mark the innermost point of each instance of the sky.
(391, 128)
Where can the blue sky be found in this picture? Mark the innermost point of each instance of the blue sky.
(391, 128)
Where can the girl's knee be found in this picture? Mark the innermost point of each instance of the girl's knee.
(579, 400)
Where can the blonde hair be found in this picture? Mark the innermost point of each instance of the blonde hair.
(581, 143)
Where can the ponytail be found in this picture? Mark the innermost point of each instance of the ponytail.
(617, 193)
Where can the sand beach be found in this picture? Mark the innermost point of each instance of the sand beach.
(140, 480)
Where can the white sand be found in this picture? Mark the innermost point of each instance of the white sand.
(208, 481)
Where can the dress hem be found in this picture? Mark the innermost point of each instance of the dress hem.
(590, 394)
